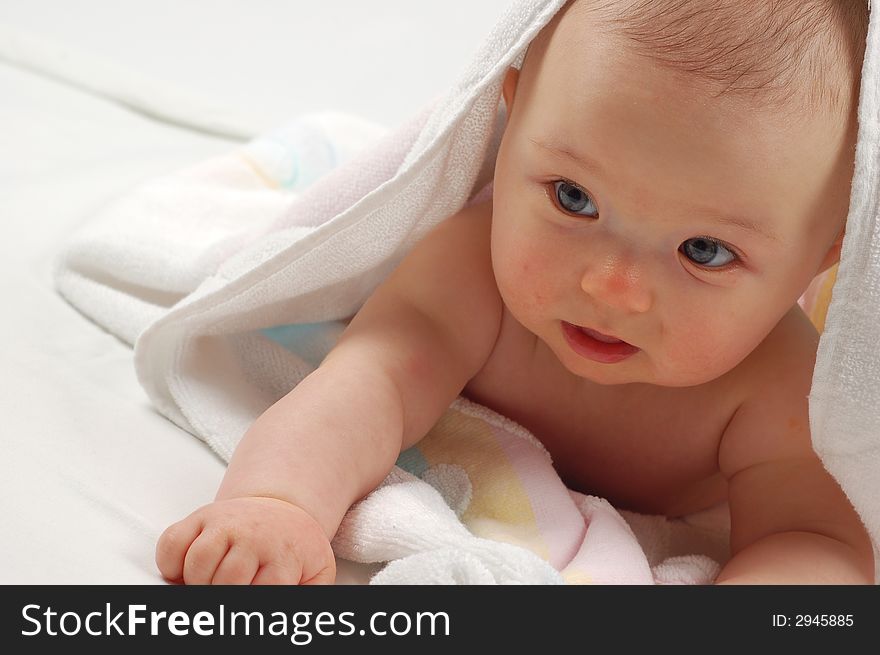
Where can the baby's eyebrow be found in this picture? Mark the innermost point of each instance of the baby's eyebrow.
(742, 222)
(564, 152)
(594, 167)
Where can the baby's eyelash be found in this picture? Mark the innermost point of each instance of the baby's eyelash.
(733, 264)
(550, 192)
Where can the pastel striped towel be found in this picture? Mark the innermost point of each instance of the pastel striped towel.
(477, 501)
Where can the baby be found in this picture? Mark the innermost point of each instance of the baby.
(671, 177)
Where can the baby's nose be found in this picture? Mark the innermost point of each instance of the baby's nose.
(618, 282)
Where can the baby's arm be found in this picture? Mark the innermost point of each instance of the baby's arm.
(790, 521)
(402, 360)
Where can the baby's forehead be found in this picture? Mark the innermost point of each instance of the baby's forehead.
(648, 131)
(773, 51)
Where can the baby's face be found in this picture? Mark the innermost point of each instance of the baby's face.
(628, 202)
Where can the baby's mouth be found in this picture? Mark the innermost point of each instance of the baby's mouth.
(598, 336)
(594, 345)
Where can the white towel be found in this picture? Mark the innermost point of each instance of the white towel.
(845, 397)
(310, 257)
(203, 290)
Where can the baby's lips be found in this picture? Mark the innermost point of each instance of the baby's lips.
(598, 336)
(597, 346)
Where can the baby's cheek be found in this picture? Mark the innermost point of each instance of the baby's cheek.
(697, 352)
(538, 279)
(534, 281)
(705, 351)
(522, 281)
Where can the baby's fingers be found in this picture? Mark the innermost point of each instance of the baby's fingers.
(274, 573)
(239, 566)
(204, 556)
(172, 546)
(327, 575)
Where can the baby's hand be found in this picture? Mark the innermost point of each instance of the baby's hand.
(249, 540)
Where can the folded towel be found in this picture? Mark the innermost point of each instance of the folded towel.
(478, 501)
(158, 244)
(201, 284)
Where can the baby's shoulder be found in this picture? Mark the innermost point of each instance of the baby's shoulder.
(459, 245)
(470, 223)
(455, 257)
(447, 281)
(786, 356)
(772, 421)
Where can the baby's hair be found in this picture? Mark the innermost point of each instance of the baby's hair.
(767, 47)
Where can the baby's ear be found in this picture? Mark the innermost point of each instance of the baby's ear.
(508, 87)
(833, 254)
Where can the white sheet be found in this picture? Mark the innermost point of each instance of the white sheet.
(91, 474)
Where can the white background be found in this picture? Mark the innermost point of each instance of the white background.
(381, 59)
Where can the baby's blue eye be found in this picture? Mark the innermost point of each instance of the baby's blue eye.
(574, 199)
(707, 252)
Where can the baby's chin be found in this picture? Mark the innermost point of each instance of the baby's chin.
(640, 368)
(630, 371)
